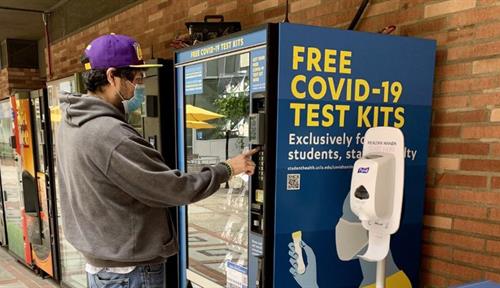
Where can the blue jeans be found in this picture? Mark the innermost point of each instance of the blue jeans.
(144, 276)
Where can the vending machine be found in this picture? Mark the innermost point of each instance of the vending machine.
(25, 204)
(34, 205)
(26, 227)
(219, 86)
(155, 121)
(46, 253)
(305, 96)
(11, 186)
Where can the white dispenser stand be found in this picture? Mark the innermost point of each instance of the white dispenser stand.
(376, 194)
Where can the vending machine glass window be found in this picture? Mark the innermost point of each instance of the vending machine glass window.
(135, 119)
(5, 152)
(217, 108)
(72, 262)
(10, 182)
(11, 186)
(45, 252)
(39, 139)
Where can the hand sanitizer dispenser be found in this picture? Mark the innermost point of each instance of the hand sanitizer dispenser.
(376, 194)
(372, 187)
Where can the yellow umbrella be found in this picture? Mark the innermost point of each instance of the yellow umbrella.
(194, 113)
(55, 113)
(198, 125)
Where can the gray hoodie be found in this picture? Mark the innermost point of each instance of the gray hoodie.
(114, 187)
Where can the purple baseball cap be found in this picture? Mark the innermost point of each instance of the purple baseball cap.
(116, 51)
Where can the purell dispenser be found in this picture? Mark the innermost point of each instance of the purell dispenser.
(376, 194)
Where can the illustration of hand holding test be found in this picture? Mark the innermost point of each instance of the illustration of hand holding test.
(305, 275)
(351, 240)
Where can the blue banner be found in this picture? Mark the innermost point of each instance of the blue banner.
(194, 79)
(222, 46)
(332, 86)
(258, 70)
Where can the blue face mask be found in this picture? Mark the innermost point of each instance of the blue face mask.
(132, 104)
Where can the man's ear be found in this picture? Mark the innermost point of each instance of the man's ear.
(110, 76)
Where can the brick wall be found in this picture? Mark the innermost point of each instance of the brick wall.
(462, 223)
(12, 79)
(463, 196)
(4, 84)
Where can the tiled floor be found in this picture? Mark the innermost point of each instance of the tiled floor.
(15, 275)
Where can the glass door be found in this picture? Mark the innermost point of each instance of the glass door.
(5, 148)
(71, 261)
(43, 252)
(11, 181)
(217, 102)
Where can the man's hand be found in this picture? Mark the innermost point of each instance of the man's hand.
(243, 163)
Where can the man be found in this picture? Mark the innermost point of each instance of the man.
(114, 185)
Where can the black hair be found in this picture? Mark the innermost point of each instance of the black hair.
(96, 79)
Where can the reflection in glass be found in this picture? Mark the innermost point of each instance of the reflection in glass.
(216, 129)
(39, 130)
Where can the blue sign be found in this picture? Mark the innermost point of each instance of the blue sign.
(199, 135)
(194, 79)
(332, 86)
(258, 70)
(222, 46)
(236, 275)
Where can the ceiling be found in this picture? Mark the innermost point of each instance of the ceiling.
(23, 24)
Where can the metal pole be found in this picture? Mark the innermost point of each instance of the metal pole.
(380, 274)
(360, 11)
(227, 151)
(21, 9)
(47, 43)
